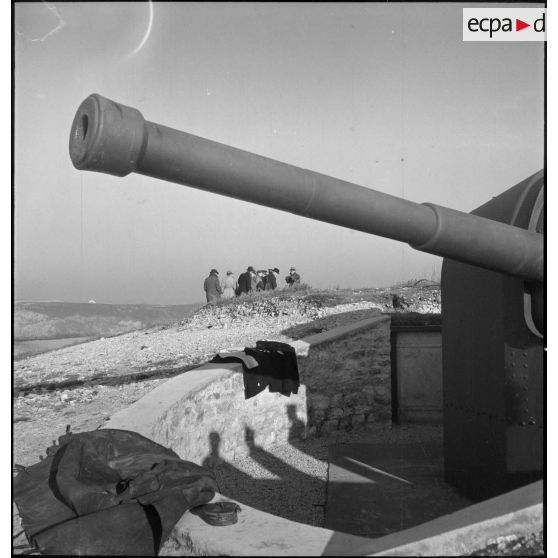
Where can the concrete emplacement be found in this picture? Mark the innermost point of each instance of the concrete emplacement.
(387, 479)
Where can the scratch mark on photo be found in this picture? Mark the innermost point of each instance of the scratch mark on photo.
(146, 35)
(61, 23)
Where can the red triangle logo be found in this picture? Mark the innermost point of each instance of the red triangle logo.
(519, 25)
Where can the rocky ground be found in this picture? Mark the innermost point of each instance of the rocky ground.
(513, 545)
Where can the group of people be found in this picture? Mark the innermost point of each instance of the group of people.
(248, 282)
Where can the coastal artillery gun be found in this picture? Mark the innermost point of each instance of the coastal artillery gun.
(492, 277)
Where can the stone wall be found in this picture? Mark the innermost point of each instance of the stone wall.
(216, 422)
(348, 377)
(203, 416)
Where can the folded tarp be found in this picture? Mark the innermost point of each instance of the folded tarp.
(270, 363)
(107, 492)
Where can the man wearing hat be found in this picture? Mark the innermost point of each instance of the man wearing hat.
(229, 285)
(271, 279)
(293, 278)
(245, 281)
(261, 276)
(212, 287)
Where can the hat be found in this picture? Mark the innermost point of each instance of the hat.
(229, 272)
(292, 269)
(275, 269)
(250, 268)
(214, 271)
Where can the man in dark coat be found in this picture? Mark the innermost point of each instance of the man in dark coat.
(271, 279)
(245, 281)
(212, 287)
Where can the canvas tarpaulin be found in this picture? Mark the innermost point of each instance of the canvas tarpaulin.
(108, 492)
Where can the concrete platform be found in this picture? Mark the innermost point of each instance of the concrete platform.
(375, 489)
(518, 513)
(386, 497)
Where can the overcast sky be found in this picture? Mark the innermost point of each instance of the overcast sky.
(384, 95)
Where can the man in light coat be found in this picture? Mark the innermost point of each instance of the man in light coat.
(293, 278)
(212, 287)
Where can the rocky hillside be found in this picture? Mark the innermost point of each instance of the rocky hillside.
(56, 320)
(307, 305)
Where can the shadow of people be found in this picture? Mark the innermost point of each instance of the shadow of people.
(267, 460)
(213, 460)
(227, 476)
(300, 479)
(266, 482)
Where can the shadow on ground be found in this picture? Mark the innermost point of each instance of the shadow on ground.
(298, 495)
(375, 487)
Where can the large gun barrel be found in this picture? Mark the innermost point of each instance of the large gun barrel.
(112, 138)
